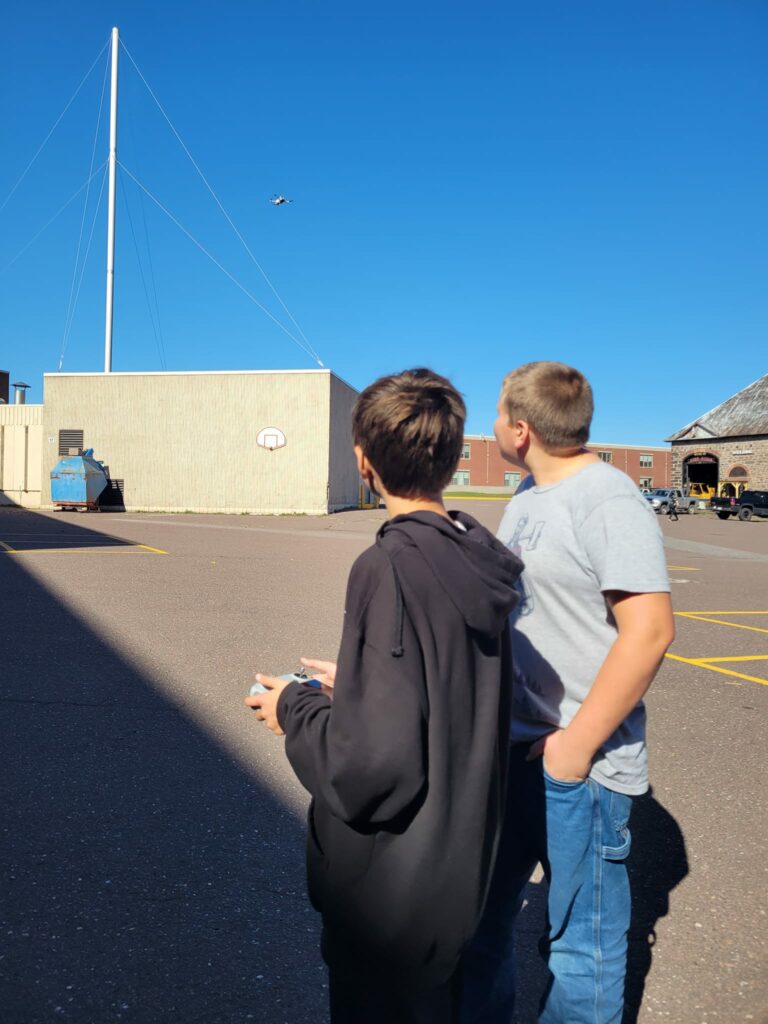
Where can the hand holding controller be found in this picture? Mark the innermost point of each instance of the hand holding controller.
(263, 699)
(291, 677)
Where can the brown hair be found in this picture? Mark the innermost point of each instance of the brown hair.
(410, 426)
(554, 400)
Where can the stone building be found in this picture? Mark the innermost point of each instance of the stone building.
(727, 447)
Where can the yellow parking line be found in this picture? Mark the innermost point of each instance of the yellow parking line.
(687, 568)
(738, 657)
(721, 613)
(720, 622)
(716, 668)
(7, 547)
(156, 551)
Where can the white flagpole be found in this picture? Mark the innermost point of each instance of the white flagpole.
(111, 215)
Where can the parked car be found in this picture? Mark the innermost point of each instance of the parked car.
(659, 499)
(749, 505)
(725, 506)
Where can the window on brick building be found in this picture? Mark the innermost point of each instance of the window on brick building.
(460, 478)
(466, 451)
(646, 481)
(511, 479)
(646, 462)
(606, 456)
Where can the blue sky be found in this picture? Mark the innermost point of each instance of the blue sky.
(474, 186)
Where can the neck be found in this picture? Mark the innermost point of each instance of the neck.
(548, 468)
(403, 506)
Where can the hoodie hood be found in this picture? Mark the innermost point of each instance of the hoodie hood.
(476, 571)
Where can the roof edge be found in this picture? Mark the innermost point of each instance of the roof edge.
(184, 373)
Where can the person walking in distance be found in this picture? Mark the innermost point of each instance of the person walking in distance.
(672, 508)
(588, 637)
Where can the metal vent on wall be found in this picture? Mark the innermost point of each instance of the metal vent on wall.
(69, 439)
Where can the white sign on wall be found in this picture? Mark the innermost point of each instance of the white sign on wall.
(271, 438)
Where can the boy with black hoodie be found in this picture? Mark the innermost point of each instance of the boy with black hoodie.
(406, 764)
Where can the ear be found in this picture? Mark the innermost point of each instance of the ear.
(367, 473)
(522, 434)
(363, 465)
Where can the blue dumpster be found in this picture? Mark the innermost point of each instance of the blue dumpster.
(77, 481)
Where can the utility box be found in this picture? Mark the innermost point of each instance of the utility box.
(77, 481)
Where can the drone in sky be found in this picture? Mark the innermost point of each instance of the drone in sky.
(279, 200)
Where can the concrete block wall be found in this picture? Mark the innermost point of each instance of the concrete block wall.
(187, 441)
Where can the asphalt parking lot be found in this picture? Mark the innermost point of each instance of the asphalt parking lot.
(152, 835)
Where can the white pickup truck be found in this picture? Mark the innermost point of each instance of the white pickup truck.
(659, 500)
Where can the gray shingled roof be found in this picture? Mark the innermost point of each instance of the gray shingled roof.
(745, 413)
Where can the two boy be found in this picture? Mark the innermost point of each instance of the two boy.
(407, 767)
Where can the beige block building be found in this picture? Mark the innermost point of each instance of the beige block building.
(262, 441)
(21, 432)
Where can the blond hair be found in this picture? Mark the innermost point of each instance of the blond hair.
(554, 400)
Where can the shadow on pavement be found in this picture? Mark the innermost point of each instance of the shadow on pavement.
(657, 864)
(146, 876)
(25, 531)
(532, 972)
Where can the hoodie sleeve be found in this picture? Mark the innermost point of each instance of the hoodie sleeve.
(364, 753)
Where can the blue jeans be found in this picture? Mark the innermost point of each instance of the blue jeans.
(578, 832)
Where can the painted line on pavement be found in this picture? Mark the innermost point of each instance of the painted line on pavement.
(121, 549)
(7, 547)
(721, 622)
(337, 533)
(699, 663)
(721, 613)
(737, 657)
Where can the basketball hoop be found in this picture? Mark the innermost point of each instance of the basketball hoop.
(271, 438)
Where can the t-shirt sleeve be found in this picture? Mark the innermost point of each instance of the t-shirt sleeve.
(624, 547)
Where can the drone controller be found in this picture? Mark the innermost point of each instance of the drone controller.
(292, 677)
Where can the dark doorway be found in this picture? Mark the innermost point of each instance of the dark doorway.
(701, 469)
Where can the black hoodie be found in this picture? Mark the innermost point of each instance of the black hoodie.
(407, 766)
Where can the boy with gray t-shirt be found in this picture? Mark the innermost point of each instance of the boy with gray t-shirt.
(588, 636)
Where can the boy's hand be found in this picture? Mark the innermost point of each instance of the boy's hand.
(323, 671)
(266, 703)
(560, 761)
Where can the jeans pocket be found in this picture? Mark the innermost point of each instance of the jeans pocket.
(616, 809)
(563, 783)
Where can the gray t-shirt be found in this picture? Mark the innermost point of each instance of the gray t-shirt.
(578, 538)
